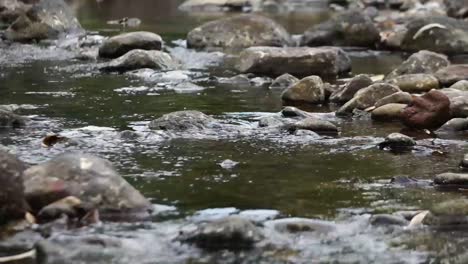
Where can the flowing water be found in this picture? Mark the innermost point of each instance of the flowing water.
(343, 179)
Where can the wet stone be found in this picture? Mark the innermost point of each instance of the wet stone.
(309, 90)
(283, 82)
(416, 83)
(423, 61)
(315, 125)
(233, 233)
(348, 91)
(117, 46)
(396, 98)
(397, 142)
(452, 179)
(10, 120)
(464, 162)
(182, 120)
(388, 112)
(301, 225)
(460, 85)
(138, 59)
(452, 74)
(455, 125)
(388, 220)
(452, 214)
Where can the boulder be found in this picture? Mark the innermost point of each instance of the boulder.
(309, 89)
(436, 33)
(455, 125)
(457, 8)
(138, 59)
(12, 199)
(11, 120)
(416, 83)
(241, 31)
(232, 233)
(451, 74)
(315, 125)
(301, 61)
(349, 28)
(91, 179)
(367, 97)
(397, 142)
(119, 45)
(429, 111)
(182, 121)
(396, 98)
(46, 19)
(348, 91)
(388, 112)
(460, 85)
(283, 82)
(421, 62)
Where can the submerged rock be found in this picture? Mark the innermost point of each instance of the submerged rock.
(349, 28)
(421, 62)
(138, 59)
(452, 214)
(182, 120)
(233, 233)
(436, 33)
(388, 220)
(388, 112)
(301, 225)
(46, 19)
(397, 142)
(309, 89)
(12, 199)
(416, 83)
(429, 111)
(91, 179)
(283, 82)
(215, 5)
(11, 120)
(348, 91)
(452, 74)
(119, 45)
(315, 125)
(301, 62)
(367, 97)
(396, 98)
(237, 32)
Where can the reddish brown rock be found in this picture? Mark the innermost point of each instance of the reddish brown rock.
(429, 111)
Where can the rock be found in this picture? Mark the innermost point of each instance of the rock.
(397, 142)
(436, 33)
(91, 179)
(283, 82)
(349, 28)
(238, 32)
(448, 214)
(451, 74)
(70, 206)
(367, 97)
(233, 233)
(451, 179)
(182, 120)
(388, 112)
(388, 220)
(315, 125)
(12, 200)
(10, 10)
(138, 59)
(460, 85)
(215, 5)
(429, 111)
(46, 19)
(396, 98)
(350, 89)
(309, 89)
(459, 106)
(300, 225)
(455, 125)
(301, 62)
(11, 120)
(416, 83)
(421, 62)
(464, 162)
(274, 121)
(457, 8)
(291, 111)
(119, 45)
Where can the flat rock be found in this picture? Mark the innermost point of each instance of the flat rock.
(451, 179)
(315, 125)
(300, 62)
(117, 46)
(138, 59)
